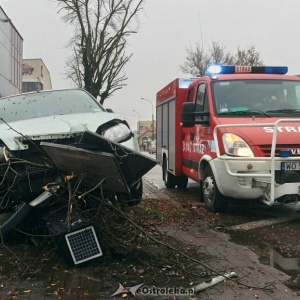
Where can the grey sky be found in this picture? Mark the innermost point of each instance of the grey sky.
(168, 27)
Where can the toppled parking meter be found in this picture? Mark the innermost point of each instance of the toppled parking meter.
(106, 166)
(89, 172)
(77, 241)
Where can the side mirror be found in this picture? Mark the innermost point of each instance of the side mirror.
(109, 110)
(188, 114)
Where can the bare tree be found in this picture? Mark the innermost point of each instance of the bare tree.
(219, 55)
(98, 45)
(198, 60)
(248, 56)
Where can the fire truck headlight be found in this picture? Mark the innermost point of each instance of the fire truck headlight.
(236, 146)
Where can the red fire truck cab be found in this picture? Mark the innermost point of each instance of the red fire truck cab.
(236, 131)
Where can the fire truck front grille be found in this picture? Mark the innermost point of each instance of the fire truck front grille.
(266, 149)
(278, 175)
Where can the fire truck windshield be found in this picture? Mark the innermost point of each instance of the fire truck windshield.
(265, 97)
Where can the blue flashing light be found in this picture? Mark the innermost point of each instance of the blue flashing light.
(227, 69)
(285, 153)
(276, 70)
(216, 69)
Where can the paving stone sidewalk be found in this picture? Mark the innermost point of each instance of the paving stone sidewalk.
(225, 257)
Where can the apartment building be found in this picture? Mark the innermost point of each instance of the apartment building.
(36, 76)
(11, 54)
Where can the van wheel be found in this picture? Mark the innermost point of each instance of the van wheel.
(182, 182)
(135, 196)
(213, 199)
(169, 179)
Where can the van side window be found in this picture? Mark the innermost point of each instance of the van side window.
(201, 101)
(191, 93)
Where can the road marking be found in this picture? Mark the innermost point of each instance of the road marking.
(263, 223)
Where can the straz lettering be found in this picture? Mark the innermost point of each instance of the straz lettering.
(199, 148)
(243, 69)
(282, 129)
(187, 146)
(190, 147)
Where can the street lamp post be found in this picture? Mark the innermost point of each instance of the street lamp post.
(139, 133)
(139, 120)
(152, 116)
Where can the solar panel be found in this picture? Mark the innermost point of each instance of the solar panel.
(83, 244)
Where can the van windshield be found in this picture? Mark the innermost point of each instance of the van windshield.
(263, 97)
(47, 103)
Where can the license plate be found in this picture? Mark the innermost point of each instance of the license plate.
(293, 166)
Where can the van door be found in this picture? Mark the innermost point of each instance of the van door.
(195, 142)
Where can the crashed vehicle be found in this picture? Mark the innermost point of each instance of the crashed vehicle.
(48, 135)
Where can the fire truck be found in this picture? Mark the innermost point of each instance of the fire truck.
(236, 131)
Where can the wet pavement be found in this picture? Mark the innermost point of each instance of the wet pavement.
(270, 232)
(226, 256)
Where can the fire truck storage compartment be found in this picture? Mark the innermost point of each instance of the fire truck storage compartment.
(166, 137)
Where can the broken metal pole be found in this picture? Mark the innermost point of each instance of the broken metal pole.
(213, 281)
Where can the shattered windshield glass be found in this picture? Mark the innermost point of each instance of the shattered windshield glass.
(47, 103)
(259, 97)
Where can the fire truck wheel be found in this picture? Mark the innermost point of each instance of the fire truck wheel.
(213, 199)
(182, 182)
(169, 179)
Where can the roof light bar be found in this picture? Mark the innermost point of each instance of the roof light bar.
(215, 69)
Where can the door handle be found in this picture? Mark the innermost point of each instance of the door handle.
(192, 135)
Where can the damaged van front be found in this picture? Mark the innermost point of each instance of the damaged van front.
(47, 135)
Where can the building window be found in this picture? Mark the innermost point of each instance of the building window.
(31, 86)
